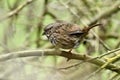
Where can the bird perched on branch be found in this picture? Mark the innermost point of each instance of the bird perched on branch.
(66, 35)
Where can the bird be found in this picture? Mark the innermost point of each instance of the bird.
(66, 35)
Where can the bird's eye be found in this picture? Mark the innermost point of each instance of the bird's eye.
(48, 27)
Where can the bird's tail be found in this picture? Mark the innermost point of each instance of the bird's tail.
(86, 29)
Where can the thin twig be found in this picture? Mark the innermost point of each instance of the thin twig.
(75, 65)
(108, 53)
(93, 74)
(114, 77)
(69, 9)
(17, 10)
(112, 10)
(40, 23)
(101, 41)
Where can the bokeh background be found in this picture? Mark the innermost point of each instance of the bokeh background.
(21, 27)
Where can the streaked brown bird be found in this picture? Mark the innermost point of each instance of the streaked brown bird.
(66, 35)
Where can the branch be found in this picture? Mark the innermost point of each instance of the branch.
(69, 9)
(51, 52)
(17, 10)
(114, 9)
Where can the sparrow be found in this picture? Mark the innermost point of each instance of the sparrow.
(66, 35)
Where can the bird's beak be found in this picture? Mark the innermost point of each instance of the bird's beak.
(43, 33)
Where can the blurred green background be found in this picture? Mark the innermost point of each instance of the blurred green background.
(21, 27)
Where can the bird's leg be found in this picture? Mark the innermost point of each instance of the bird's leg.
(85, 56)
(69, 53)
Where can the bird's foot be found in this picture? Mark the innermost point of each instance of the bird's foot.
(84, 56)
(69, 54)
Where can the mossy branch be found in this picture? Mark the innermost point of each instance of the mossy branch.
(51, 52)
